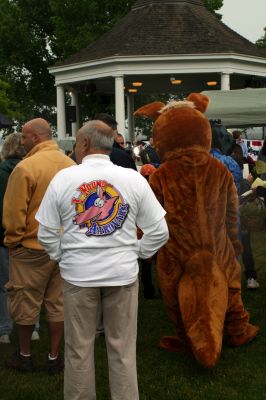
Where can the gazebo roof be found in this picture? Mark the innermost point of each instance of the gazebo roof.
(166, 27)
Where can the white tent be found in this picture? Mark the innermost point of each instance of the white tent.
(238, 108)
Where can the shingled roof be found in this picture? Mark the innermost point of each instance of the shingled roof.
(166, 27)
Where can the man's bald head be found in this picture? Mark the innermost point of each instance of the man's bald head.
(39, 126)
(34, 132)
(94, 137)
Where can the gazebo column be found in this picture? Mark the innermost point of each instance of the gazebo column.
(225, 81)
(75, 102)
(120, 104)
(130, 118)
(61, 112)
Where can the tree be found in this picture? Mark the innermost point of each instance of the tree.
(24, 56)
(7, 106)
(213, 6)
(34, 35)
(262, 41)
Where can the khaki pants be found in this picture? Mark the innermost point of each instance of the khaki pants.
(34, 280)
(119, 307)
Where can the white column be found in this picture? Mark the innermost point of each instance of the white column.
(130, 118)
(75, 102)
(225, 81)
(120, 103)
(61, 112)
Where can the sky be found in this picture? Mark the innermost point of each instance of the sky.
(246, 17)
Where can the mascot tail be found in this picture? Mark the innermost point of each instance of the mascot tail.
(203, 298)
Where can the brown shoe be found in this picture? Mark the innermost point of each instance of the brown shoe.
(20, 363)
(55, 366)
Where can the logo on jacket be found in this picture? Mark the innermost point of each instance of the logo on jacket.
(100, 207)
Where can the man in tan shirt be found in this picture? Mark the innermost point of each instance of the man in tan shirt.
(33, 278)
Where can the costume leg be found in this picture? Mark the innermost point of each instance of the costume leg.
(120, 307)
(80, 308)
(237, 327)
(168, 278)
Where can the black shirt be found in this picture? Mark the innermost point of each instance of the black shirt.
(120, 157)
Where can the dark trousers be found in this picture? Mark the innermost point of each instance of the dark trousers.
(247, 256)
(146, 278)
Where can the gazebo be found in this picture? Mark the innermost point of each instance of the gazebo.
(160, 46)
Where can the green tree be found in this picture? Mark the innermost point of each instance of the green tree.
(7, 106)
(36, 34)
(24, 54)
(213, 6)
(262, 41)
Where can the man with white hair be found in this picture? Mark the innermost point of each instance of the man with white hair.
(33, 278)
(88, 221)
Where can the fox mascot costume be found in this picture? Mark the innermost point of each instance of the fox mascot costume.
(198, 272)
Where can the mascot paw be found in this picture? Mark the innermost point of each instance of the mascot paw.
(172, 343)
(248, 336)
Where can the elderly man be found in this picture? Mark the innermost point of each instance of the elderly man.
(88, 221)
(118, 155)
(33, 278)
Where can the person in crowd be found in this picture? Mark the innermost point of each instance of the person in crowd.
(118, 155)
(11, 154)
(119, 139)
(121, 158)
(235, 164)
(33, 278)
(92, 233)
(247, 255)
(72, 154)
(262, 157)
(146, 264)
(227, 137)
(228, 161)
(238, 138)
(148, 154)
(261, 192)
(129, 150)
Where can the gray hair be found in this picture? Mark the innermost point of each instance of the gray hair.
(12, 147)
(100, 135)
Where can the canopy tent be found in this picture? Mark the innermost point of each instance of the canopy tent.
(238, 108)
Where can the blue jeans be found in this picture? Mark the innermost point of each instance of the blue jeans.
(6, 324)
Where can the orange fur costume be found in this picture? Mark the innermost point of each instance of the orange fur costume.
(198, 272)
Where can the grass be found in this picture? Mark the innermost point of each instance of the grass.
(239, 375)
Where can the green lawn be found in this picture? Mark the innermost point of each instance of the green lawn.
(240, 374)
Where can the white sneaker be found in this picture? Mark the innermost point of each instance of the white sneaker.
(35, 336)
(4, 339)
(252, 283)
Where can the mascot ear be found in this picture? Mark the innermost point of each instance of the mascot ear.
(200, 100)
(150, 110)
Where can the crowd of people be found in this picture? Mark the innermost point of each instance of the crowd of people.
(77, 211)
